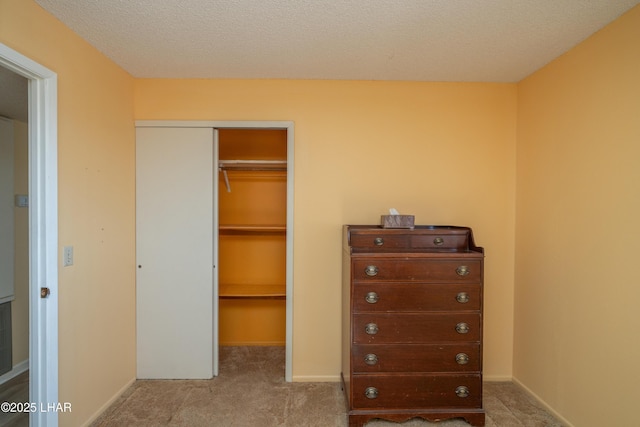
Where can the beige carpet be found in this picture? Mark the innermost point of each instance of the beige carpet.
(251, 391)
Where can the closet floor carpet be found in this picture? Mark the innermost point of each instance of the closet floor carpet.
(251, 391)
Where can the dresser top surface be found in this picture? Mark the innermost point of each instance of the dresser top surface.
(418, 229)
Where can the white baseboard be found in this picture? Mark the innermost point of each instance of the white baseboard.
(497, 378)
(316, 379)
(108, 403)
(542, 403)
(15, 371)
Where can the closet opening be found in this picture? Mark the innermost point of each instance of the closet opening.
(252, 237)
(214, 243)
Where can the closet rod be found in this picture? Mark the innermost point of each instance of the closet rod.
(249, 165)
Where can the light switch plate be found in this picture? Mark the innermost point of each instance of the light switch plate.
(22, 201)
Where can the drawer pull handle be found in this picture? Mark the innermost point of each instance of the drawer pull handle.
(462, 359)
(462, 297)
(438, 241)
(462, 270)
(378, 241)
(371, 270)
(371, 392)
(462, 328)
(371, 297)
(371, 359)
(371, 329)
(462, 391)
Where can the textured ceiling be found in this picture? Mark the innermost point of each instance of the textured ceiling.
(425, 40)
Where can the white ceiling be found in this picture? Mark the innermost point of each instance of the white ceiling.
(425, 40)
(421, 40)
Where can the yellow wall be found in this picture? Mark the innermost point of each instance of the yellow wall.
(20, 305)
(250, 262)
(442, 151)
(96, 207)
(578, 204)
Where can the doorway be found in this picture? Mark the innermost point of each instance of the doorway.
(14, 248)
(43, 231)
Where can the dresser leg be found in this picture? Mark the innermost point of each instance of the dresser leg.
(476, 420)
(356, 421)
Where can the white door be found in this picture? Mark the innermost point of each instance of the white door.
(174, 239)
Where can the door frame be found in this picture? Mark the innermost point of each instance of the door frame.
(43, 231)
(250, 124)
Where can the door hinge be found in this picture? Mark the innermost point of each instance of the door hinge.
(44, 292)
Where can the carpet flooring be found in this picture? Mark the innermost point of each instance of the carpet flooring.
(251, 391)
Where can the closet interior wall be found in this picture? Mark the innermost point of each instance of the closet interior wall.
(252, 208)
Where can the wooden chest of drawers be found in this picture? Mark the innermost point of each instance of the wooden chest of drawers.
(412, 324)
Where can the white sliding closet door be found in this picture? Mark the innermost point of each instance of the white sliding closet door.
(174, 238)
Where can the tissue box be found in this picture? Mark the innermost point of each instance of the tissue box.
(397, 221)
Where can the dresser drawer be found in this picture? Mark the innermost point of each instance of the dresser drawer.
(417, 269)
(403, 391)
(388, 328)
(379, 241)
(433, 238)
(371, 358)
(394, 297)
(443, 242)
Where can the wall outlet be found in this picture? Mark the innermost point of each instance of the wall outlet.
(67, 256)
